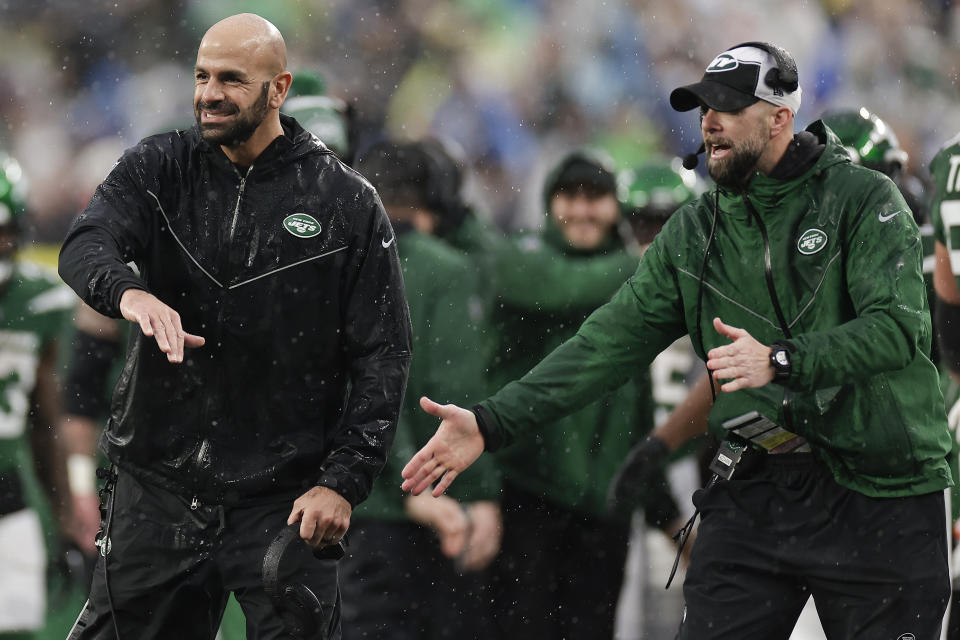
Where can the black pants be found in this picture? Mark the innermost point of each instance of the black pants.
(770, 538)
(559, 573)
(953, 624)
(171, 569)
(397, 585)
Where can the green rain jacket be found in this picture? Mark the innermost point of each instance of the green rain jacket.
(448, 366)
(843, 255)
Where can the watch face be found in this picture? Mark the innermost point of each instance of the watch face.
(782, 358)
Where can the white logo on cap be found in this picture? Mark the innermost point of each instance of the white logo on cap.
(723, 62)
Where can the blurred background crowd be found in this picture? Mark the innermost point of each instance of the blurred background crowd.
(512, 81)
(515, 85)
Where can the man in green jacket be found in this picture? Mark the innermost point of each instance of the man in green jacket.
(396, 540)
(799, 280)
(554, 493)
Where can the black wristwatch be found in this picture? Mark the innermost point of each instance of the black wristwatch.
(782, 364)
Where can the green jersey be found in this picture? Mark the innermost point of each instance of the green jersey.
(944, 227)
(32, 313)
(945, 208)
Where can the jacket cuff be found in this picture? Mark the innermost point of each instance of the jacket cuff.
(489, 428)
(120, 287)
(346, 489)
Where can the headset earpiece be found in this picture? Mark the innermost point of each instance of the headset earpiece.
(785, 75)
(772, 79)
(300, 610)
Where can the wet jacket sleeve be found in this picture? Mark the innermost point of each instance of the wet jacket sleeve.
(376, 326)
(882, 260)
(618, 339)
(401, 450)
(110, 232)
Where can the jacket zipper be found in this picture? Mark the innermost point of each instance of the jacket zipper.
(768, 272)
(236, 208)
(205, 444)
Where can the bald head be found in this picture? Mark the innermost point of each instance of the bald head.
(241, 83)
(249, 36)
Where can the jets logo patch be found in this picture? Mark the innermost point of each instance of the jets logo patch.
(301, 225)
(811, 241)
(723, 62)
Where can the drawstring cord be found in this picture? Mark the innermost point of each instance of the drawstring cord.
(681, 536)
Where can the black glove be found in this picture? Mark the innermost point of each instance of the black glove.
(643, 466)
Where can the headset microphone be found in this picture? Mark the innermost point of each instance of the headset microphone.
(690, 161)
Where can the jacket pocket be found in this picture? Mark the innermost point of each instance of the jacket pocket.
(864, 427)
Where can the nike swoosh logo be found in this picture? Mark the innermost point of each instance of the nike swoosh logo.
(388, 242)
(883, 218)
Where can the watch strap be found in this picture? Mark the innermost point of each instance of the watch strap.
(782, 372)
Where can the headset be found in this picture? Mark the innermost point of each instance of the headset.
(299, 608)
(784, 76)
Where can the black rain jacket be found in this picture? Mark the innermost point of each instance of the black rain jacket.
(289, 270)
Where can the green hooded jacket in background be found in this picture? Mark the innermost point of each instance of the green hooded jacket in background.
(544, 290)
(845, 261)
(448, 365)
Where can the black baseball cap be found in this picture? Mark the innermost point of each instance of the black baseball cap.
(733, 80)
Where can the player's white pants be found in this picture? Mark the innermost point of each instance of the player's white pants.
(23, 566)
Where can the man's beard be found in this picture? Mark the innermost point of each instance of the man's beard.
(738, 167)
(243, 126)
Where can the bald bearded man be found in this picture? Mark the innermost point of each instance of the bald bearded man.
(268, 357)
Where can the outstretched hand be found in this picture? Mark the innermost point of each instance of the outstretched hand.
(453, 448)
(745, 361)
(158, 321)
